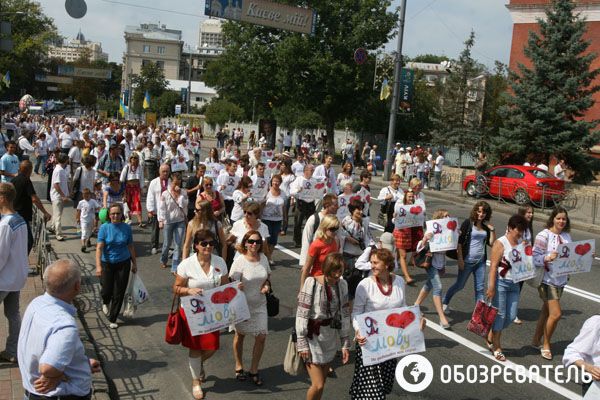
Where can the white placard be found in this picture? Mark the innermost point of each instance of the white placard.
(445, 234)
(573, 258)
(215, 309)
(213, 170)
(314, 190)
(271, 168)
(521, 261)
(390, 334)
(409, 215)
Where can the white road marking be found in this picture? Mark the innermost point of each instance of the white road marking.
(480, 349)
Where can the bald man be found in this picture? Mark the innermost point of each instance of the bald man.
(52, 359)
(26, 197)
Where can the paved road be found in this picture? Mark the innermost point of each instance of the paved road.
(140, 365)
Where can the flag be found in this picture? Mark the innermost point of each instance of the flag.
(146, 103)
(385, 90)
(6, 79)
(122, 108)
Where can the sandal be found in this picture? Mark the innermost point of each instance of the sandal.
(142, 225)
(197, 392)
(546, 354)
(255, 379)
(411, 282)
(499, 356)
(490, 345)
(240, 375)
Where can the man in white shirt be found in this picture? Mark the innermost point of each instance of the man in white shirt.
(227, 182)
(542, 166)
(59, 194)
(75, 155)
(303, 191)
(65, 140)
(325, 173)
(298, 165)
(437, 169)
(260, 184)
(26, 148)
(287, 141)
(157, 186)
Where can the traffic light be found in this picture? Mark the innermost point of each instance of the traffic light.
(6, 43)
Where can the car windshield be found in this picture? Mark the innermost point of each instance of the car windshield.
(540, 174)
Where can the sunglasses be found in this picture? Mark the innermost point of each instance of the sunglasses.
(249, 214)
(254, 241)
(206, 243)
(208, 185)
(334, 229)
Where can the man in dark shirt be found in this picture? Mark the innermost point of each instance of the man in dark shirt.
(194, 186)
(26, 198)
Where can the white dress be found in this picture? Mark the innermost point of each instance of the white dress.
(253, 275)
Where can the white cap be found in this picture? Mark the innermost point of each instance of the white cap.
(387, 241)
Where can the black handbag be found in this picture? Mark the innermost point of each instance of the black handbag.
(423, 257)
(272, 303)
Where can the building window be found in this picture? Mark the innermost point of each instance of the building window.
(160, 49)
(145, 62)
(160, 64)
(146, 48)
(198, 98)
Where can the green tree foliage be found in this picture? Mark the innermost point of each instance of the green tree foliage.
(165, 104)
(544, 113)
(220, 111)
(31, 33)
(429, 58)
(151, 79)
(418, 125)
(317, 73)
(495, 98)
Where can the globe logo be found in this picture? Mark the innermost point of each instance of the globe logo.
(414, 373)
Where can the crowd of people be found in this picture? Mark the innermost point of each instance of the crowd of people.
(221, 218)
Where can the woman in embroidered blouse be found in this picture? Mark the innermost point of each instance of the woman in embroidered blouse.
(356, 236)
(380, 291)
(114, 193)
(203, 270)
(323, 314)
(133, 176)
(551, 288)
(345, 176)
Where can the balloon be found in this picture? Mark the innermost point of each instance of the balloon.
(103, 215)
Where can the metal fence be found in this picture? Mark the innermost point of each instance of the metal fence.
(41, 243)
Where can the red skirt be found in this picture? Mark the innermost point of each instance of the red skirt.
(207, 341)
(408, 238)
(133, 196)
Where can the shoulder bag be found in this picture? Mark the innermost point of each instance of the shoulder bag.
(423, 257)
(175, 324)
(272, 302)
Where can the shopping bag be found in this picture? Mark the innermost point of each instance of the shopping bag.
(292, 362)
(128, 304)
(175, 325)
(139, 292)
(482, 319)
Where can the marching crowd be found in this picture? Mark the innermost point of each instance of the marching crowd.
(221, 219)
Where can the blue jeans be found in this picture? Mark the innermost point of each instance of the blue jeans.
(478, 271)
(433, 283)
(437, 175)
(286, 215)
(174, 232)
(40, 161)
(274, 229)
(507, 302)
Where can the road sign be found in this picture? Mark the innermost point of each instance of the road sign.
(360, 56)
(177, 109)
(184, 93)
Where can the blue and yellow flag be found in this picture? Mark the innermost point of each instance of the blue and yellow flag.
(6, 79)
(386, 90)
(122, 108)
(146, 100)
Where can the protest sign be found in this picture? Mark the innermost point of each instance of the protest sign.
(271, 168)
(215, 309)
(521, 262)
(573, 258)
(178, 164)
(445, 234)
(390, 334)
(260, 188)
(406, 216)
(314, 190)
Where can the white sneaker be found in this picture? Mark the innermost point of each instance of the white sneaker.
(446, 309)
(105, 309)
(113, 325)
(154, 250)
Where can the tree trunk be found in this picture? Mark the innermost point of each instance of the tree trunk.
(330, 129)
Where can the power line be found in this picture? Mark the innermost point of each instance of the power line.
(153, 8)
(422, 9)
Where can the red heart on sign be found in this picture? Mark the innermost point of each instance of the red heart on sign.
(451, 225)
(319, 186)
(224, 296)
(529, 250)
(400, 320)
(272, 165)
(583, 249)
(416, 210)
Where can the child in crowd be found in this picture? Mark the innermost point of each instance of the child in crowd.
(86, 212)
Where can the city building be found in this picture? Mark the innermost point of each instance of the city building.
(210, 36)
(72, 50)
(151, 43)
(199, 59)
(431, 72)
(200, 93)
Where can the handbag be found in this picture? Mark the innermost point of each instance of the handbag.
(482, 319)
(272, 303)
(292, 362)
(175, 325)
(129, 307)
(423, 257)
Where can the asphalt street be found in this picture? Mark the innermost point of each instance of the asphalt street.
(140, 365)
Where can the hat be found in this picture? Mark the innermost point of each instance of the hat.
(398, 144)
(387, 241)
(401, 148)
(409, 148)
(287, 154)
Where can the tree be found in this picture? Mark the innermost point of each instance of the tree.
(270, 68)
(545, 111)
(152, 80)
(495, 98)
(165, 104)
(31, 33)
(429, 58)
(220, 111)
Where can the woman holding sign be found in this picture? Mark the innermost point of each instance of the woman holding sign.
(551, 288)
(406, 238)
(323, 315)
(201, 271)
(501, 287)
(252, 269)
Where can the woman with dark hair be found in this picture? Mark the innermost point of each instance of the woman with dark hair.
(114, 193)
(345, 177)
(322, 317)
(272, 213)
(249, 222)
(501, 288)
(356, 237)
(133, 178)
(240, 196)
(407, 239)
(252, 269)
(213, 156)
(527, 238)
(476, 233)
(201, 271)
(204, 219)
(550, 290)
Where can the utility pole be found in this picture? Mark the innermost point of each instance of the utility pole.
(189, 94)
(395, 96)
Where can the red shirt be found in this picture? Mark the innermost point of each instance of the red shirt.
(318, 250)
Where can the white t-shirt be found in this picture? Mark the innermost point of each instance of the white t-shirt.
(42, 147)
(273, 210)
(287, 140)
(60, 176)
(66, 140)
(87, 178)
(439, 163)
(88, 210)
(227, 184)
(239, 229)
(260, 188)
(286, 181)
(298, 168)
(239, 198)
(191, 270)
(559, 172)
(369, 298)
(75, 155)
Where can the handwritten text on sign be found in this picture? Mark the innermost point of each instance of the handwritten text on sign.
(521, 261)
(390, 334)
(445, 234)
(406, 216)
(573, 258)
(215, 309)
(314, 190)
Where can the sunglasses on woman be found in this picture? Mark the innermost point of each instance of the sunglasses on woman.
(333, 229)
(249, 214)
(206, 243)
(254, 241)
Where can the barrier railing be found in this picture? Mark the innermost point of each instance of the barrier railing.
(41, 243)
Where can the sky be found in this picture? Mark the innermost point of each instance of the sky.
(432, 26)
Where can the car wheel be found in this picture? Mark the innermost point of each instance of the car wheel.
(471, 189)
(521, 197)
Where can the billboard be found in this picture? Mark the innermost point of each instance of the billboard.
(407, 90)
(41, 77)
(263, 12)
(79, 72)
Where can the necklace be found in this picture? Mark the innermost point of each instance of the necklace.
(380, 286)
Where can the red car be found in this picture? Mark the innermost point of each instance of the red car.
(517, 182)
